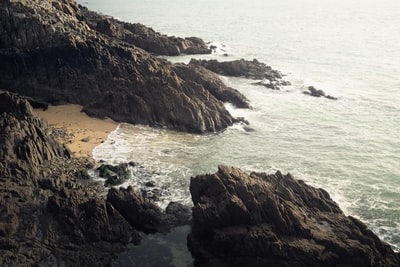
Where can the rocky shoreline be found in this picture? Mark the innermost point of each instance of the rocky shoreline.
(59, 52)
(53, 213)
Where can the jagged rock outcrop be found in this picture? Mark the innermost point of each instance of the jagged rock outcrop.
(245, 68)
(142, 36)
(138, 211)
(51, 212)
(212, 83)
(59, 52)
(24, 142)
(256, 219)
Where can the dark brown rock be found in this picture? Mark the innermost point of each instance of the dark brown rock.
(254, 69)
(24, 141)
(138, 211)
(144, 37)
(274, 220)
(212, 83)
(51, 213)
(114, 174)
(59, 52)
(240, 68)
(178, 214)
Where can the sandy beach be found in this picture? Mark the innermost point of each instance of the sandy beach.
(79, 132)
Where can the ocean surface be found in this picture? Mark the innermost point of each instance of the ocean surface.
(350, 147)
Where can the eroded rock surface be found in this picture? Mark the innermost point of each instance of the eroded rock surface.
(59, 52)
(51, 212)
(212, 83)
(256, 219)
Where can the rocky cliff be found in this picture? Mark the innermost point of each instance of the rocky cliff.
(24, 142)
(51, 213)
(60, 52)
(256, 219)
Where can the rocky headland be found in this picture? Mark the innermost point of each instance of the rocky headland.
(60, 52)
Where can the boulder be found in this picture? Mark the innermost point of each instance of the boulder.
(256, 219)
(114, 175)
(138, 211)
(178, 214)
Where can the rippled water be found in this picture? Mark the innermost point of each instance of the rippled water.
(350, 147)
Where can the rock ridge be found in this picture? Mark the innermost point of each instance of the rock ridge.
(258, 219)
(60, 52)
(251, 69)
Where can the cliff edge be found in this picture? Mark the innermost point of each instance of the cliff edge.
(60, 52)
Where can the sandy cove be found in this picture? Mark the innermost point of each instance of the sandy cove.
(80, 133)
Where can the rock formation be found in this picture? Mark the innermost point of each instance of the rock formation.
(312, 91)
(212, 83)
(23, 139)
(256, 219)
(142, 36)
(59, 52)
(254, 69)
(51, 213)
(113, 175)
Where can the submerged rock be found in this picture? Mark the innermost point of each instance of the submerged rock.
(273, 84)
(256, 219)
(312, 91)
(114, 175)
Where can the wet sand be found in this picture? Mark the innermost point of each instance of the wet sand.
(79, 132)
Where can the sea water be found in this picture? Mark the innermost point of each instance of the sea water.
(350, 147)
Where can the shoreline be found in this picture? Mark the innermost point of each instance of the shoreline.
(75, 129)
